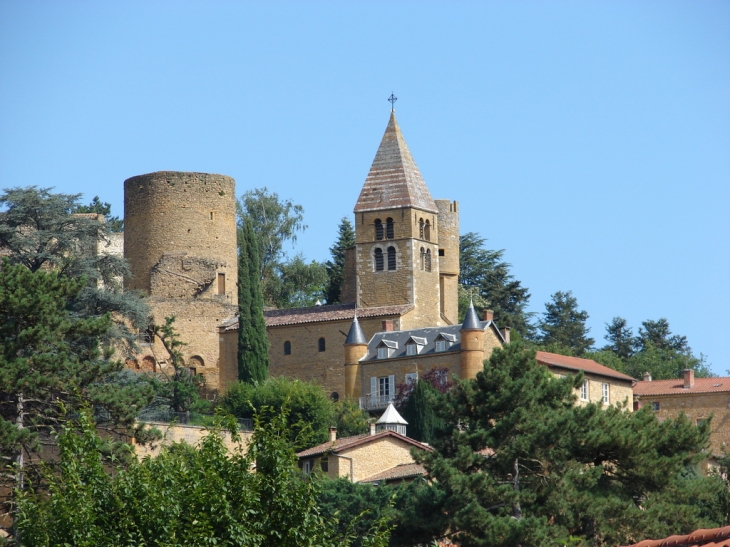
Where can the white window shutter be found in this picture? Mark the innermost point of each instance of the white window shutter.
(391, 381)
(373, 386)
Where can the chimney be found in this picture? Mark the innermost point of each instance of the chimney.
(488, 315)
(505, 334)
(387, 325)
(647, 377)
(372, 429)
(333, 434)
(689, 378)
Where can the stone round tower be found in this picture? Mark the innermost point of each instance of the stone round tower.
(178, 214)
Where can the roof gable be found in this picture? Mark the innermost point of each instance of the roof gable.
(346, 443)
(577, 363)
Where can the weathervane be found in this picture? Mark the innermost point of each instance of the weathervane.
(392, 100)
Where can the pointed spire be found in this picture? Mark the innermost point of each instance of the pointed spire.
(356, 335)
(471, 321)
(394, 179)
(391, 416)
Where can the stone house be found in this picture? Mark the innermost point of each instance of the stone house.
(381, 456)
(698, 398)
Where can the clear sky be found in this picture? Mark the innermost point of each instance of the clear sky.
(589, 139)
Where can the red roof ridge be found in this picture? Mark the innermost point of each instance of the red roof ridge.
(579, 363)
(704, 536)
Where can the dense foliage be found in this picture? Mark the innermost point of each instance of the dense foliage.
(488, 281)
(253, 343)
(336, 266)
(115, 223)
(310, 411)
(50, 362)
(40, 231)
(563, 325)
(184, 497)
(286, 282)
(517, 463)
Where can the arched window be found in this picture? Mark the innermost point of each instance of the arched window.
(427, 231)
(391, 258)
(428, 260)
(378, 229)
(420, 228)
(423, 258)
(322, 345)
(287, 348)
(378, 260)
(389, 228)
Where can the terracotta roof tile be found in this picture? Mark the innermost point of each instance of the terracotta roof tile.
(576, 363)
(394, 180)
(710, 537)
(402, 471)
(345, 443)
(670, 387)
(316, 314)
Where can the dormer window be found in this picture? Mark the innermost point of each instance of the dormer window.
(414, 345)
(444, 341)
(386, 348)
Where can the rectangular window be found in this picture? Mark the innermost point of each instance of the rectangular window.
(383, 387)
(655, 406)
(604, 392)
(411, 378)
(584, 391)
(440, 345)
(307, 466)
(411, 349)
(324, 463)
(221, 283)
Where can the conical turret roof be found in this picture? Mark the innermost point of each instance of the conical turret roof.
(471, 320)
(356, 335)
(391, 416)
(394, 181)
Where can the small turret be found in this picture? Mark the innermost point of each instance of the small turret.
(356, 347)
(472, 345)
(391, 420)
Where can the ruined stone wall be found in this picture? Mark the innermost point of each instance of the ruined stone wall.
(697, 407)
(171, 212)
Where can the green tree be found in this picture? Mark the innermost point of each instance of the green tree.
(336, 266)
(420, 412)
(563, 326)
(40, 231)
(185, 497)
(115, 223)
(51, 360)
(659, 335)
(518, 463)
(253, 344)
(485, 273)
(310, 411)
(620, 338)
(297, 284)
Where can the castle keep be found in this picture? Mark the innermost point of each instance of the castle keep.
(180, 242)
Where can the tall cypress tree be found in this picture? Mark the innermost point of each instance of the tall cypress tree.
(336, 266)
(253, 345)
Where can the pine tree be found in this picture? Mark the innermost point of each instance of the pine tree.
(51, 363)
(336, 266)
(253, 345)
(620, 338)
(564, 326)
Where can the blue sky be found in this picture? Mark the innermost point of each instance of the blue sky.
(590, 140)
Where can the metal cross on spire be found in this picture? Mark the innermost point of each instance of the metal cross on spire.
(392, 100)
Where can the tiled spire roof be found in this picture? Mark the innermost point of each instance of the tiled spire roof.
(394, 180)
(356, 335)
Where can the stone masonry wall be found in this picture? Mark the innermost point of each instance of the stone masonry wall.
(448, 259)
(190, 434)
(375, 457)
(698, 406)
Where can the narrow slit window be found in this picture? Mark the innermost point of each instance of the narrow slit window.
(423, 258)
(322, 344)
(211, 215)
(378, 260)
(389, 228)
(378, 229)
(221, 283)
(427, 231)
(287, 348)
(428, 260)
(420, 228)
(391, 258)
